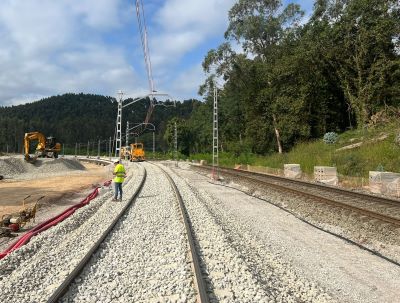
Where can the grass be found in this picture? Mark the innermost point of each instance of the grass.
(373, 154)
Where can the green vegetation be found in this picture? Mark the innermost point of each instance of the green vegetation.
(79, 118)
(294, 82)
(378, 150)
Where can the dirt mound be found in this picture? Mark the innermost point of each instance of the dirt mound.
(16, 168)
(56, 165)
(10, 167)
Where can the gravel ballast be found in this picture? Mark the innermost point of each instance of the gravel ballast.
(33, 272)
(272, 241)
(17, 168)
(231, 276)
(144, 259)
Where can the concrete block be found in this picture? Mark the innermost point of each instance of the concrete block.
(292, 171)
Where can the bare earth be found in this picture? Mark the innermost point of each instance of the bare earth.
(60, 192)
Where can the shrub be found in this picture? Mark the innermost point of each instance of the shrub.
(397, 139)
(330, 138)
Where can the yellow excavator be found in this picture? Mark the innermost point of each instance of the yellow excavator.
(47, 147)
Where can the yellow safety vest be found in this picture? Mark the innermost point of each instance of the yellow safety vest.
(119, 171)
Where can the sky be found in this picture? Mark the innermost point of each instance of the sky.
(50, 47)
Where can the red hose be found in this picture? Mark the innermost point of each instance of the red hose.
(51, 222)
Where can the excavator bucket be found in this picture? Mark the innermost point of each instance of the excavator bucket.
(30, 159)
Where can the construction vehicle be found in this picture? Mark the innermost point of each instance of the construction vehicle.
(15, 221)
(125, 153)
(137, 152)
(47, 147)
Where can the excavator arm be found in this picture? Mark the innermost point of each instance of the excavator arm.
(30, 137)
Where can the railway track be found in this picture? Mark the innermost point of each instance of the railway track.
(200, 288)
(63, 287)
(68, 272)
(378, 208)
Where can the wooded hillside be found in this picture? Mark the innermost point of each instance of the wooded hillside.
(292, 81)
(295, 81)
(79, 118)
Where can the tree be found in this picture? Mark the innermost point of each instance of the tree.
(360, 43)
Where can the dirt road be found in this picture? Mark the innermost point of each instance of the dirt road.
(60, 192)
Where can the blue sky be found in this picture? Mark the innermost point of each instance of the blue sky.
(92, 46)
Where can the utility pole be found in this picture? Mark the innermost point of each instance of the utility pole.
(119, 121)
(109, 149)
(127, 133)
(215, 136)
(176, 144)
(154, 143)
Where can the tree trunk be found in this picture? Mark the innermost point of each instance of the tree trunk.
(278, 136)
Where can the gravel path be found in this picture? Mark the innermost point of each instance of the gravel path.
(33, 272)
(370, 233)
(231, 276)
(144, 259)
(274, 244)
(17, 168)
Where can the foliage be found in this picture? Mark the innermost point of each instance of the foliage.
(300, 79)
(292, 81)
(79, 118)
(397, 139)
(330, 138)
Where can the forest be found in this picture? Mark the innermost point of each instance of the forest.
(281, 78)
(81, 118)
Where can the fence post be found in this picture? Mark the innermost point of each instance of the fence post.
(109, 153)
(98, 150)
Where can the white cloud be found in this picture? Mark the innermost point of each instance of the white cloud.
(188, 82)
(182, 26)
(99, 14)
(53, 47)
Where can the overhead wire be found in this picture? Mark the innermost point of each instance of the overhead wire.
(146, 52)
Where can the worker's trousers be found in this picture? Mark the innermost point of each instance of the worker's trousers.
(118, 188)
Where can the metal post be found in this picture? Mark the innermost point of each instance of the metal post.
(215, 136)
(87, 150)
(109, 150)
(76, 148)
(7, 149)
(176, 144)
(79, 148)
(98, 150)
(63, 153)
(119, 120)
(154, 144)
(127, 134)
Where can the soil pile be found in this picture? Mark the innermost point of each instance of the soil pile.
(15, 168)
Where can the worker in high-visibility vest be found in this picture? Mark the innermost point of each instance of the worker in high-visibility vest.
(120, 174)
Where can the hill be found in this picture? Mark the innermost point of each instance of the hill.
(79, 118)
(354, 153)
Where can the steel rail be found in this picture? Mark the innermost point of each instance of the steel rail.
(317, 186)
(199, 281)
(315, 197)
(62, 289)
(94, 160)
